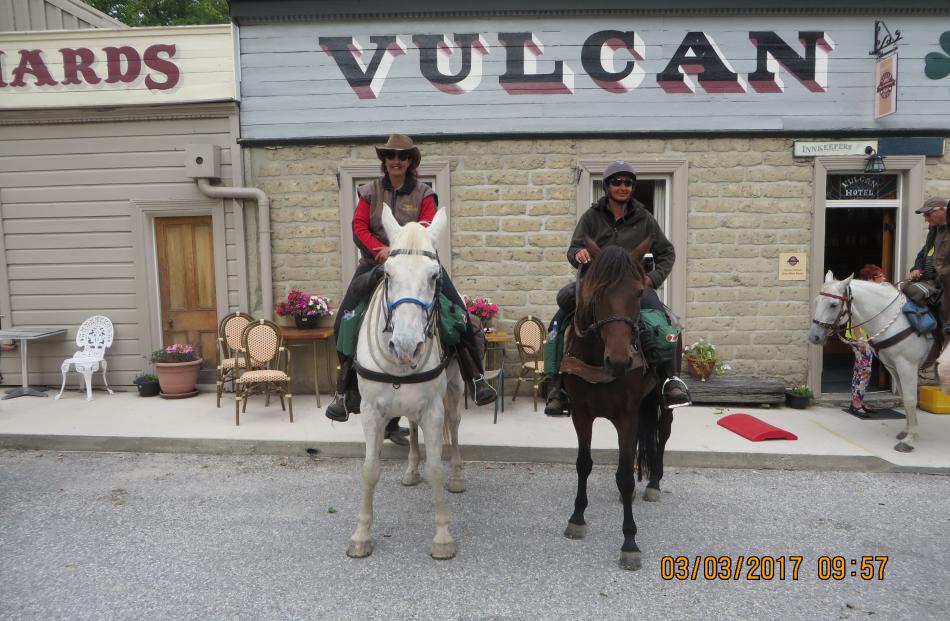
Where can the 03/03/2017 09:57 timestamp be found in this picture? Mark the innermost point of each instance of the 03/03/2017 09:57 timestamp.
(767, 567)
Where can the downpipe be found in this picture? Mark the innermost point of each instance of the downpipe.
(263, 233)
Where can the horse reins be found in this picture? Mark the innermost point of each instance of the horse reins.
(838, 329)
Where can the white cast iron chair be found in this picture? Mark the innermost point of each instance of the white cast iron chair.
(94, 336)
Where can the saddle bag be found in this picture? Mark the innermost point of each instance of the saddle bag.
(920, 317)
(349, 330)
(452, 321)
(657, 337)
(920, 292)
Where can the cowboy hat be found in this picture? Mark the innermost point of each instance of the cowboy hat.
(400, 142)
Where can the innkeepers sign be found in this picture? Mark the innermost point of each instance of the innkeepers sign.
(116, 67)
(804, 148)
(619, 74)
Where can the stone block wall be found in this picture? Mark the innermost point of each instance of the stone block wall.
(513, 210)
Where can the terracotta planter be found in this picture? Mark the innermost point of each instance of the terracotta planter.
(700, 369)
(178, 379)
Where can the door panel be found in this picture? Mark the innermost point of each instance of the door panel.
(185, 248)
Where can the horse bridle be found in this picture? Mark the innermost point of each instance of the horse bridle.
(836, 325)
(597, 324)
(428, 307)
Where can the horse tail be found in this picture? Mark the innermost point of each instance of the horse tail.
(648, 434)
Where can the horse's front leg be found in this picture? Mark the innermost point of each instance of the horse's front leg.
(576, 526)
(411, 476)
(665, 428)
(627, 439)
(361, 543)
(443, 546)
(453, 417)
(906, 378)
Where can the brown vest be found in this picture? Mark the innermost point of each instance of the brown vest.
(407, 208)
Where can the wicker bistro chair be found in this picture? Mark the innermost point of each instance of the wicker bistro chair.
(229, 341)
(529, 339)
(267, 361)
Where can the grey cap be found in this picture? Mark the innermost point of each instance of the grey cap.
(619, 167)
(933, 203)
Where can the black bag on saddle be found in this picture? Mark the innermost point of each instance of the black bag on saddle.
(921, 292)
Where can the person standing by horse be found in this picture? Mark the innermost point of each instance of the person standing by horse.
(409, 200)
(856, 338)
(618, 219)
(925, 286)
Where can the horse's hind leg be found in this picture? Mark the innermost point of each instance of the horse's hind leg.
(411, 476)
(652, 491)
(627, 438)
(576, 526)
(453, 416)
(361, 542)
(906, 377)
(443, 546)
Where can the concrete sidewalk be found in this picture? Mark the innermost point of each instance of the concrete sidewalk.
(828, 439)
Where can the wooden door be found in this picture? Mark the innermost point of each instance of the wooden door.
(185, 248)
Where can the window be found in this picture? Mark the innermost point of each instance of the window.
(661, 187)
(433, 172)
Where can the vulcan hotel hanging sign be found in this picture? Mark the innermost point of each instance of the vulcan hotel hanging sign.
(514, 76)
(57, 69)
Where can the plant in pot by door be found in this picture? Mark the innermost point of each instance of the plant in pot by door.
(148, 385)
(307, 311)
(177, 367)
(483, 308)
(702, 360)
(798, 397)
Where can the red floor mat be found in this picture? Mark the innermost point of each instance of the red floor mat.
(752, 428)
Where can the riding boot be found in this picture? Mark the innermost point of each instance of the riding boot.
(558, 404)
(347, 399)
(482, 391)
(675, 394)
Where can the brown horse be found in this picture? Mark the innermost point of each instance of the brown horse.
(606, 376)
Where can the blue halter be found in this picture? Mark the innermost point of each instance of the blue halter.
(429, 308)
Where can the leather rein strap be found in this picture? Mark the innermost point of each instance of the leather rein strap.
(846, 308)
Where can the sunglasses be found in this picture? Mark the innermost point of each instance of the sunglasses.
(390, 154)
(621, 181)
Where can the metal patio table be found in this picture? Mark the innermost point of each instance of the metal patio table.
(25, 335)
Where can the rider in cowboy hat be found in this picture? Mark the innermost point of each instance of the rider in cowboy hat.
(930, 259)
(410, 201)
(621, 220)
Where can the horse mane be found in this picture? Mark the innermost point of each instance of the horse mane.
(606, 272)
(412, 236)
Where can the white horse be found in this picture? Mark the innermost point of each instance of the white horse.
(876, 309)
(402, 372)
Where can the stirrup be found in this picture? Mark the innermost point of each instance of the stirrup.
(676, 383)
(333, 410)
(484, 382)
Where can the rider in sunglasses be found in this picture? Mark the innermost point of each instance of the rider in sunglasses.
(410, 201)
(619, 219)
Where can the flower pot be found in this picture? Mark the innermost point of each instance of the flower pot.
(325, 321)
(306, 323)
(148, 389)
(799, 402)
(178, 379)
(700, 369)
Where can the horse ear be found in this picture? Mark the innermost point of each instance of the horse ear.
(390, 225)
(847, 281)
(638, 252)
(829, 277)
(591, 246)
(438, 225)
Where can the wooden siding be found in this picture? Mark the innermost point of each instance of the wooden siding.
(293, 89)
(52, 15)
(67, 230)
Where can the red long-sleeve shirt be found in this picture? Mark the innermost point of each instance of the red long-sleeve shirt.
(365, 238)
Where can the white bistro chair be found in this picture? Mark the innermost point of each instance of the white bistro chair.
(95, 337)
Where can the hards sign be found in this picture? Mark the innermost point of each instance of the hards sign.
(116, 67)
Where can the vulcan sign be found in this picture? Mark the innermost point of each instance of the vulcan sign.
(612, 59)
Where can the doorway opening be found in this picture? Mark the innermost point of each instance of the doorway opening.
(861, 222)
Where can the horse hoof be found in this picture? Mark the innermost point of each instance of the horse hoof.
(651, 494)
(575, 531)
(456, 486)
(443, 551)
(359, 549)
(903, 447)
(630, 561)
(411, 478)
(902, 435)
